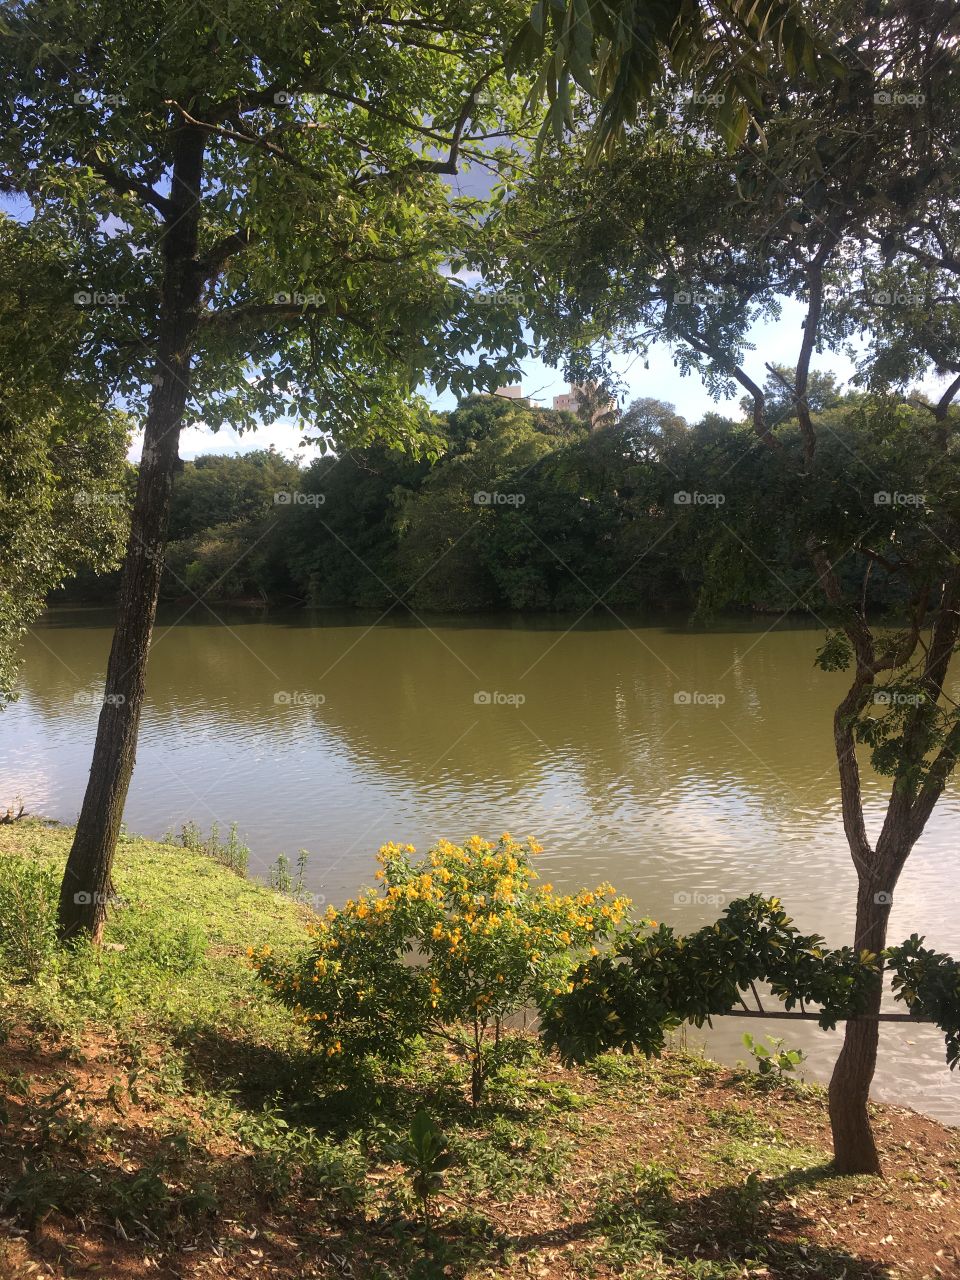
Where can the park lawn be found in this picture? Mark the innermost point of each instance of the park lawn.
(162, 1116)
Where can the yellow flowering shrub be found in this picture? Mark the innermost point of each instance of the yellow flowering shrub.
(449, 945)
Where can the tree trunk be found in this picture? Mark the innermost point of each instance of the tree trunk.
(86, 886)
(854, 1148)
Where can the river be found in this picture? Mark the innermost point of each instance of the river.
(687, 766)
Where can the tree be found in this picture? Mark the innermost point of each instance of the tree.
(64, 482)
(849, 207)
(624, 55)
(779, 404)
(652, 428)
(263, 225)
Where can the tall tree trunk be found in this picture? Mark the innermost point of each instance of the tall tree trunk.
(87, 880)
(854, 1148)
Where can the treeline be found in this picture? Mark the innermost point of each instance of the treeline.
(525, 509)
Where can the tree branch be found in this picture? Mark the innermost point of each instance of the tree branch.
(125, 186)
(736, 371)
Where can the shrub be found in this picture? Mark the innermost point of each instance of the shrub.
(28, 914)
(450, 946)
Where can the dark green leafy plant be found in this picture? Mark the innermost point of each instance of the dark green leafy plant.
(630, 997)
(928, 983)
(772, 1060)
(428, 1157)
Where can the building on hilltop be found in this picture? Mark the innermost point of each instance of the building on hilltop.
(590, 403)
(513, 393)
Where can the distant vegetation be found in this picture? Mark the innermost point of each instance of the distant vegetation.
(523, 509)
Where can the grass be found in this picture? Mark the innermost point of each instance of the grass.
(161, 1115)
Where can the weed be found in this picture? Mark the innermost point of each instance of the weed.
(633, 1213)
(43, 1187)
(281, 879)
(772, 1060)
(742, 1124)
(232, 853)
(427, 1156)
(28, 904)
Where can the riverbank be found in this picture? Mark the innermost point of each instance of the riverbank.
(163, 1117)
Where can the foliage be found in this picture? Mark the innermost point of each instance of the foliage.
(280, 876)
(64, 483)
(318, 148)
(28, 898)
(772, 1060)
(455, 943)
(629, 998)
(629, 56)
(928, 983)
(598, 516)
(427, 1156)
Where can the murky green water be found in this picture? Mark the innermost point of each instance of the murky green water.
(336, 734)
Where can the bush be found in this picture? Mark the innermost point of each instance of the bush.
(28, 915)
(450, 947)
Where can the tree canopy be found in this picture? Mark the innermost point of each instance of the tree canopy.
(64, 485)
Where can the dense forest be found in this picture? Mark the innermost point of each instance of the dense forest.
(524, 509)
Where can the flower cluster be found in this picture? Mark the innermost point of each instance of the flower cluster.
(451, 944)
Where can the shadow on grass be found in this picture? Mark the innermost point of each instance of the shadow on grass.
(725, 1228)
(300, 1088)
